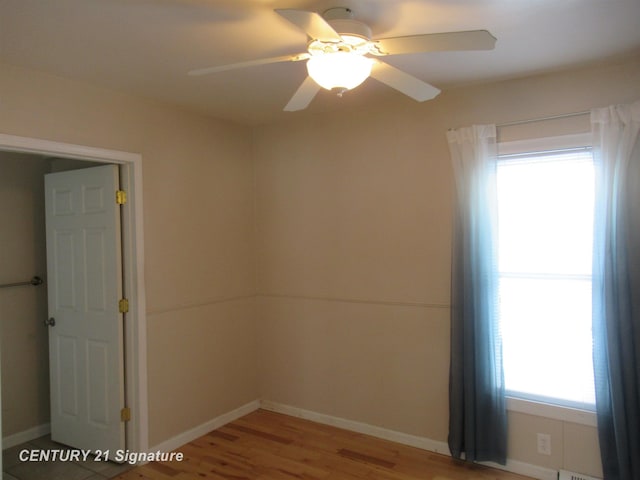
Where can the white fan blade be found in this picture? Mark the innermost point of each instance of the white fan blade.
(303, 96)
(437, 42)
(312, 23)
(403, 82)
(250, 63)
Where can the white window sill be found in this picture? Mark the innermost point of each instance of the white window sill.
(556, 412)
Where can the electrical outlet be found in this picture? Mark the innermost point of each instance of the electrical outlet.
(544, 444)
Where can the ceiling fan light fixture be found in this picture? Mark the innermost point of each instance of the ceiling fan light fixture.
(339, 70)
(341, 54)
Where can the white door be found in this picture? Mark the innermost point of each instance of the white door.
(84, 271)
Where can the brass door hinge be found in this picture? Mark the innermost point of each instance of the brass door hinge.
(123, 305)
(125, 414)
(121, 197)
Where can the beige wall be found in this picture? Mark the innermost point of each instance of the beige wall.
(25, 377)
(198, 221)
(353, 219)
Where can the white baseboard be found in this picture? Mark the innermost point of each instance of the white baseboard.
(26, 435)
(423, 443)
(192, 434)
(359, 427)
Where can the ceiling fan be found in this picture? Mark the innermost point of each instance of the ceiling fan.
(341, 55)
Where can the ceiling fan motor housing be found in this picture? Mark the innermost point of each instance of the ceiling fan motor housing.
(348, 27)
(342, 21)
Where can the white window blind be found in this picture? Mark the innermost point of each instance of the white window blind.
(545, 218)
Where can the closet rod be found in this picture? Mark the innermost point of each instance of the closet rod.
(542, 119)
(34, 281)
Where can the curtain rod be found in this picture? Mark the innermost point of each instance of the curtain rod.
(34, 281)
(542, 119)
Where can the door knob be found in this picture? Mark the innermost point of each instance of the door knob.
(51, 322)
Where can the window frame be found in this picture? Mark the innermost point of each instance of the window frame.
(540, 407)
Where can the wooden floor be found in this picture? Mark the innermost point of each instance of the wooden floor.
(265, 445)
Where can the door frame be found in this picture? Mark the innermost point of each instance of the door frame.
(135, 329)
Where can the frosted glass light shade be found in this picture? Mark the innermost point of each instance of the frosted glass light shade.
(341, 70)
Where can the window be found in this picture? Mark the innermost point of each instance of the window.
(545, 232)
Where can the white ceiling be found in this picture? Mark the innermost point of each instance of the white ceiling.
(145, 47)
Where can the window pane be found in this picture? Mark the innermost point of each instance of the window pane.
(546, 214)
(546, 331)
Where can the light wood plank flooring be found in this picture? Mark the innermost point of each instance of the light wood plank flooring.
(269, 446)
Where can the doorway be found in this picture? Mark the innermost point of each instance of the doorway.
(135, 327)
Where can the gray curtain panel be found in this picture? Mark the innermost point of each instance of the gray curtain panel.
(616, 288)
(477, 411)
